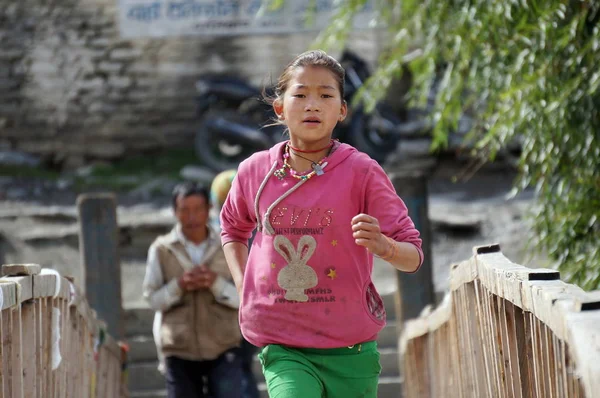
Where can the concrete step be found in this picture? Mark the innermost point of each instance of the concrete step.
(390, 362)
(138, 320)
(144, 377)
(389, 387)
(142, 347)
(388, 337)
(388, 359)
(148, 394)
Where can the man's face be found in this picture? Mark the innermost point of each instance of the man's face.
(192, 212)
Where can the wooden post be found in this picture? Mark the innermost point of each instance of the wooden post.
(29, 358)
(98, 243)
(415, 291)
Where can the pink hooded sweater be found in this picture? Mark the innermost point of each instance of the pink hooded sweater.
(306, 282)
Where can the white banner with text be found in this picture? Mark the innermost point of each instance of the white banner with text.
(163, 18)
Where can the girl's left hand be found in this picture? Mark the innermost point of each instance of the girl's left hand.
(366, 232)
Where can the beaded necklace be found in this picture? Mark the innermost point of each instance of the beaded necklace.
(316, 166)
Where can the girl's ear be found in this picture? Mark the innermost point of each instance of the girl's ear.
(343, 110)
(278, 108)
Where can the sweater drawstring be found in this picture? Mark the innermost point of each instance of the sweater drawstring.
(265, 223)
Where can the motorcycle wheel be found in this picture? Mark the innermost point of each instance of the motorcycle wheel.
(217, 152)
(374, 133)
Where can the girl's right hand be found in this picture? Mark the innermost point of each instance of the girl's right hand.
(367, 233)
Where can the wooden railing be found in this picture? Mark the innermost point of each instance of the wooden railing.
(52, 345)
(504, 330)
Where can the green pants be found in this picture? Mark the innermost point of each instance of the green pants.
(321, 373)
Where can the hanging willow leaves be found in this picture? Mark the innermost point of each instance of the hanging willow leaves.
(530, 70)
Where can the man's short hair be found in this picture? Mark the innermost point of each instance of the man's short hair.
(187, 189)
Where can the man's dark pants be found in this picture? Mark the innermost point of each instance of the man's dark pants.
(218, 378)
(248, 353)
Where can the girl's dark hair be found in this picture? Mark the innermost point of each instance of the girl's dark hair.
(318, 58)
(188, 189)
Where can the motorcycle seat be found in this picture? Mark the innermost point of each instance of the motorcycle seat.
(229, 88)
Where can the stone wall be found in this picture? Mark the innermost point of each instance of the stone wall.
(71, 90)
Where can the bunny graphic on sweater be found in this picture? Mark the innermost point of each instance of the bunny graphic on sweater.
(297, 275)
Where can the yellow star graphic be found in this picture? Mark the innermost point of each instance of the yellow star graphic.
(273, 265)
(334, 243)
(332, 274)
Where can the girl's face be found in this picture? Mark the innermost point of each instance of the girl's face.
(311, 106)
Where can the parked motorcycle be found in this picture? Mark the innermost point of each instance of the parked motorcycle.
(377, 133)
(236, 122)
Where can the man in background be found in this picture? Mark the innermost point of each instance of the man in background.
(188, 284)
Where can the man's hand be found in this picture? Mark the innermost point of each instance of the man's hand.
(199, 277)
(366, 232)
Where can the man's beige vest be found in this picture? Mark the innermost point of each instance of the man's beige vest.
(198, 327)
